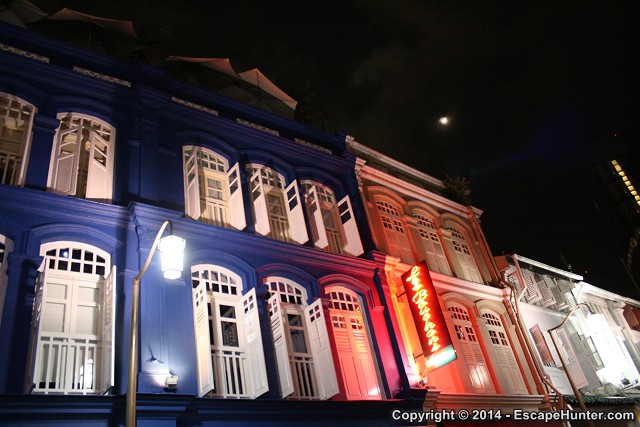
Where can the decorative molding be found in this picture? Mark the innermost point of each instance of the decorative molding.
(24, 53)
(257, 127)
(314, 146)
(101, 76)
(194, 106)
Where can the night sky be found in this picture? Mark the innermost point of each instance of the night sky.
(527, 86)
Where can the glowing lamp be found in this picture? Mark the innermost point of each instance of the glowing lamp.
(172, 256)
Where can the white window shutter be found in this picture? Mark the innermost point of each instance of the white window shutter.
(259, 198)
(237, 217)
(203, 343)
(100, 170)
(353, 243)
(64, 161)
(321, 351)
(35, 323)
(296, 214)
(191, 184)
(318, 232)
(108, 331)
(255, 352)
(280, 346)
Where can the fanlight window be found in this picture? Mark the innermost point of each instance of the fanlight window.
(333, 225)
(230, 357)
(277, 210)
(213, 193)
(82, 158)
(301, 343)
(73, 321)
(16, 121)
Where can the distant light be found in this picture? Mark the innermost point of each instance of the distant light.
(444, 120)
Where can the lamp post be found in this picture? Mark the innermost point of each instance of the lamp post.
(172, 250)
(564, 366)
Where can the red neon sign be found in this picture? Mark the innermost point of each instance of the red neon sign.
(425, 309)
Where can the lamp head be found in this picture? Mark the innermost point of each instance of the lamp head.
(172, 256)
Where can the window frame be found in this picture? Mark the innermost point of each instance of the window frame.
(25, 143)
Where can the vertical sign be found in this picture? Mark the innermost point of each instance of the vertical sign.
(426, 312)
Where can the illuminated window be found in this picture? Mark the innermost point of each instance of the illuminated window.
(82, 158)
(431, 247)
(352, 342)
(396, 240)
(73, 320)
(465, 267)
(213, 192)
(333, 225)
(506, 360)
(471, 349)
(301, 343)
(16, 120)
(228, 339)
(625, 180)
(277, 210)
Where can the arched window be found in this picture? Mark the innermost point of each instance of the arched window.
(397, 243)
(301, 343)
(213, 192)
(469, 342)
(277, 210)
(82, 158)
(466, 264)
(353, 345)
(6, 245)
(431, 247)
(16, 120)
(73, 320)
(333, 226)
(506, 359)
(229, 349)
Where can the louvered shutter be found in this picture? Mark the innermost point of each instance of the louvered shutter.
(108, 331)
(255, 353)
(100, 169)
(571, 359)
(64, 174)
(318, 231)
(259, 199)
(191, 184)
(321, 351)
(353, 243)
(203, 342)
(295, 214)
(35, 323)
(280, 346)
(237, 217)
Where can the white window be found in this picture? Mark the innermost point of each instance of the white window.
(471, 349)
(397, 243)
(82, 158)
(353, 345)
(506, 359)
(467, 268)
(333, 225)
(277, 210)
(73, 321)
(229, 349)
(301, 343)
(212, 191)
(6, 245)
(430, 247)
(16, 120)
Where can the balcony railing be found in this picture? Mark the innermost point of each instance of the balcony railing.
(9, 167)
(230, 374)
(66, 365)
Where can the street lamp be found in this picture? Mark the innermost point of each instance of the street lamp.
(564, 366)
(172, 251)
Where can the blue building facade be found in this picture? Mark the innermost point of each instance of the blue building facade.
(280, 309)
